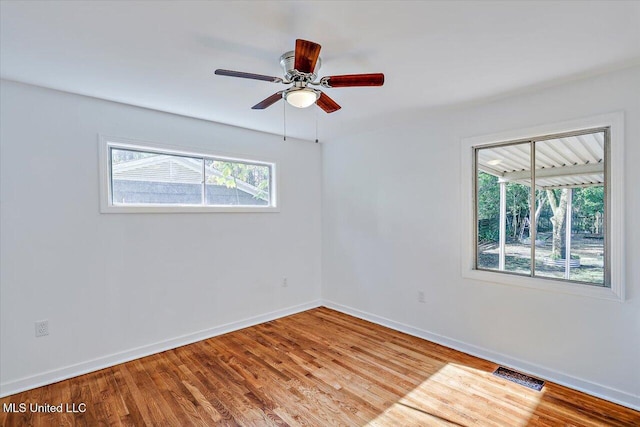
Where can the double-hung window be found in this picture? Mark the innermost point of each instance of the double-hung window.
(141, 177)
(546, 211)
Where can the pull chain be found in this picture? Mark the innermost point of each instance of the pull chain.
(316, 125)
(284, 120)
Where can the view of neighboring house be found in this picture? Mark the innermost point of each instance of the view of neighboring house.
(160, 178)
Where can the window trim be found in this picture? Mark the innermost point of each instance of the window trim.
(614, 170)
(105, 143)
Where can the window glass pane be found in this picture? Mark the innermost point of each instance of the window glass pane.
(149, 178)
(547, 264)
(587, 234)
(488, 221)
(503, 196)
(518, 241)
(570, 182)
(237, 183)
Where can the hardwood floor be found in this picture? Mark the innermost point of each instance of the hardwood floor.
(317, 368)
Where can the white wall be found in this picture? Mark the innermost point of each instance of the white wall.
(391, 221)
(116, 286)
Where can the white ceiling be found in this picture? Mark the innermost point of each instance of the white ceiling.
(162, 55)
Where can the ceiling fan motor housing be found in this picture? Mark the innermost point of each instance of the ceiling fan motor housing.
(287, 61)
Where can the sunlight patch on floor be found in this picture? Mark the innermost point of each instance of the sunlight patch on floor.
(460, 395)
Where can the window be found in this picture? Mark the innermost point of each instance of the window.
(560, 225)
(152, 178)
(546, 209)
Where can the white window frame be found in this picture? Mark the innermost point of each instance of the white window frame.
(615, 185)
(106, 143)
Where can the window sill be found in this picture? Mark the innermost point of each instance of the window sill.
(134, 209)
(545, 284)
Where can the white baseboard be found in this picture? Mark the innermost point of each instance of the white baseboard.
(607, 393)
(53, 376)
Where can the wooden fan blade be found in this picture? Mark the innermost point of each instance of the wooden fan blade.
(327, 104)
(268, 101)
(306, 56)
(252, 76)
(350, 80)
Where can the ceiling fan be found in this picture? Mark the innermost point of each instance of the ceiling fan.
(301, 70)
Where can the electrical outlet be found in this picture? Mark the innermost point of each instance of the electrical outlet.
(420, 296)
(42, 328)
(285, 282)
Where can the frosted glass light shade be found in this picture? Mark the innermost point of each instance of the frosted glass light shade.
(302, 98)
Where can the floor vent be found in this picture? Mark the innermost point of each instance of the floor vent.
(517, 377)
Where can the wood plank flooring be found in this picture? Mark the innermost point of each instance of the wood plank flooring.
(317, 368)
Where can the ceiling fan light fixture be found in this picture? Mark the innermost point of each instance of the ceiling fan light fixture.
(301, 98)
